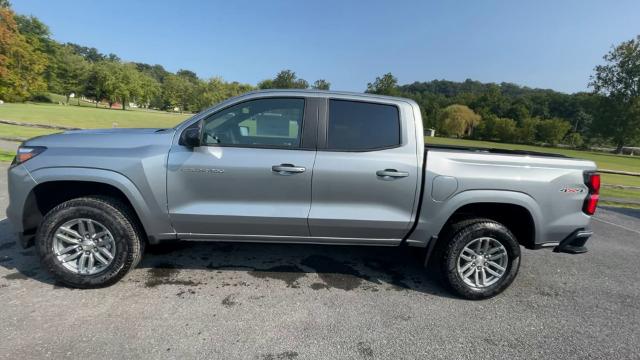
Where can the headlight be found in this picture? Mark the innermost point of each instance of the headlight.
(26, 153)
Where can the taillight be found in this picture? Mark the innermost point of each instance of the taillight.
(26, 153)
(592, 180)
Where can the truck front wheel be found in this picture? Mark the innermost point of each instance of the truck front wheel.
(89, 242)
(479, 258)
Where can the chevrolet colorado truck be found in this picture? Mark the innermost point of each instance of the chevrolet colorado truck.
(296, 167)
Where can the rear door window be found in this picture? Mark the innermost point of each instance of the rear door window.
(362, 126)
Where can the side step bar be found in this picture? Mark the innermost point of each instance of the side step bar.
(574, 243)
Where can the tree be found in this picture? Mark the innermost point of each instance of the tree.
(21, 65)
(72, 73)
(551, 131)
(618, 81)
(385, 85)
(458, 120)
(178, 92)
(321, 84)
(285, 79)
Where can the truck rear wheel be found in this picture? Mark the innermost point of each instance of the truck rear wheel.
(479, 258)
(89, 242)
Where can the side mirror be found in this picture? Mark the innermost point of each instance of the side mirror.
(190, 137)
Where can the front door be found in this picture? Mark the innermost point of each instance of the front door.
(250, 177)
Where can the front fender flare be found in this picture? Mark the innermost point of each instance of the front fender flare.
(155, 221)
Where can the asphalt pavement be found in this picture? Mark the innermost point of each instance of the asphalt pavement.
(259, 301)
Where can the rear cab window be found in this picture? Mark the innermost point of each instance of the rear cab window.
(362, 126)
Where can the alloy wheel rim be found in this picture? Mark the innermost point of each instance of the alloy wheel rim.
(84, 246)
(482, 262)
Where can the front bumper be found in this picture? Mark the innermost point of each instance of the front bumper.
(20, 184)
(575, 242)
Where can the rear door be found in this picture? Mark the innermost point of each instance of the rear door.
(366, 172)
(251, 178)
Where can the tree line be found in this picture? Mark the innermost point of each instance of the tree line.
(33, 64)
(608, 115)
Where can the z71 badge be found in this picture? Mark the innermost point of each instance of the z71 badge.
(573, 189)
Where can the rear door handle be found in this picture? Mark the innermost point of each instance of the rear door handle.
(287, 169)
(391, 173)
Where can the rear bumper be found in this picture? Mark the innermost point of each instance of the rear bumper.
(575, 242)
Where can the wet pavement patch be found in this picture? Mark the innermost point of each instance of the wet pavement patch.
(287, 273)
(365, 350)
(397, 277)
(319, 286)
(165, 274)
(335, 274)
(183, 292)
(16, 276)
(287, 355)
(8, 245)
(229, 301)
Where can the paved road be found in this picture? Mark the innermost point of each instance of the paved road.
(252, 301)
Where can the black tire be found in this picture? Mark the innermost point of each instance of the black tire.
(456, 237)
(115, 216)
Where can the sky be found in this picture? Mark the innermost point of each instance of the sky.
(543, 44)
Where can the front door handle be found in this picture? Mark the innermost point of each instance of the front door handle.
(287, 169)
(391, 173)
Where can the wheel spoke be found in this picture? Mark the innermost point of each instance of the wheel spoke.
(484, 277)
(479, 246)
(497, 256)
(464, 268)
(81, 263)
(468, 273)
(100, 258)
(67, 249)
(465, 257)
(90, 262)
(91, 228)
(67, 239)
(106, 253)
(99, 235)
(496, 265)
(490, 271)
(82, 229)
(70, 231)
(494, 250)
(71, 257)
(475, 277)
(486, 246)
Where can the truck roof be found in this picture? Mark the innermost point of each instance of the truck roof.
(327, 93)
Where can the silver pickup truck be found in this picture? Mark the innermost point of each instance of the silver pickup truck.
(296, 167)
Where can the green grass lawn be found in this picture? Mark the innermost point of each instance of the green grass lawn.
(604, 161)
(22, 132)
(6, 156)
(87, 117)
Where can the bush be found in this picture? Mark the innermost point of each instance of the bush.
(505, 129)
(526, 133)
(574, 140)
(495, 128)
(552, 131)
(41, 98)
